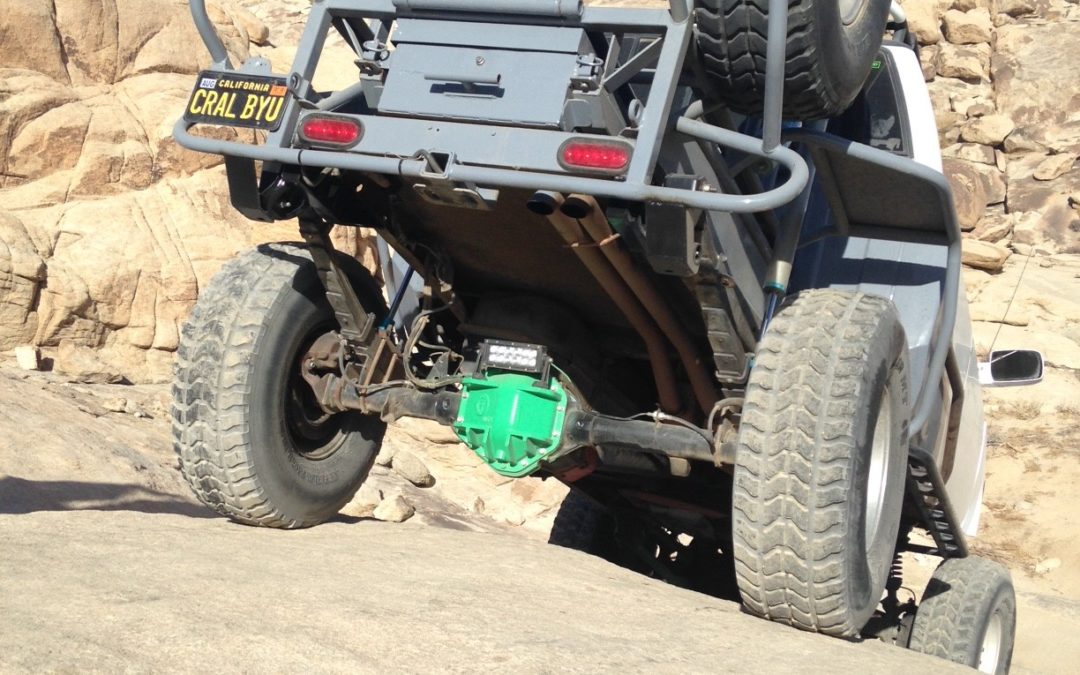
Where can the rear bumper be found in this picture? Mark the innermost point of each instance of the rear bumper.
(418, 168)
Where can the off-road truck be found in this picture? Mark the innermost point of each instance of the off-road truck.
(699, 262)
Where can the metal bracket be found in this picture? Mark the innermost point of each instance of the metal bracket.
(587, 76)
(437, 188)
(927, 491)
(645, 58)
(244, 188)
(256, 65)
(372, 55)
(466, 196)
(670, 244)
(300, 87)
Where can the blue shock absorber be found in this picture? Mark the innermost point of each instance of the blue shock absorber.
(395, 304)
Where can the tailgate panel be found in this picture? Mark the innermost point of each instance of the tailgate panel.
(485, 85)
(482, 72)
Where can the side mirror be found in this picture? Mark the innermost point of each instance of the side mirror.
(1012, 368)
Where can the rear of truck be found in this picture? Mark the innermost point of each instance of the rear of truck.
(593, 215)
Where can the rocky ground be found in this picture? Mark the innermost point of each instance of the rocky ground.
(69, 445)
(163, 593)
(110, 229)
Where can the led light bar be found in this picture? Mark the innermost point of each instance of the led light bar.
(513, 356)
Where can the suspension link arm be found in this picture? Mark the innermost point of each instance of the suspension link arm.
(356, 324)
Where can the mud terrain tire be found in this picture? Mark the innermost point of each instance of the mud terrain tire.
(582, 524)
(830, 48)
(968, 615)
(821, 460)
(251, 446)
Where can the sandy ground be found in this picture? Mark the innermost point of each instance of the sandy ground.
(1031, 520)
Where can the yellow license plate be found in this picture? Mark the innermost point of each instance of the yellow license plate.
(237, 100)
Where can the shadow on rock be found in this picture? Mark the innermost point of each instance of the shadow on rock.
(19, 495)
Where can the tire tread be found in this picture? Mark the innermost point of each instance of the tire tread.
(948, 623)
(580, 525)
(211, 393)
(732, 36)
(790, 519)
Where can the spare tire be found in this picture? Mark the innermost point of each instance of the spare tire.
(831, 45)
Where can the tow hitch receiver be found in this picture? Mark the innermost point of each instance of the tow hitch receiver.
(511, 420)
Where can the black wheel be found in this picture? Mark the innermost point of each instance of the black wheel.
(968, 615)
(253, 443)
(584, 525)
(820, 463)
(831, 46)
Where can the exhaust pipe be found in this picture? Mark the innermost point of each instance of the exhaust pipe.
(587, 211)
(548, 204)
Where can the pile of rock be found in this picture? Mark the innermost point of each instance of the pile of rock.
(423, 471)
(1004, 77)
(110, 228)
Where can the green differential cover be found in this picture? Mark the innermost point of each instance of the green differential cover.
(512, 421)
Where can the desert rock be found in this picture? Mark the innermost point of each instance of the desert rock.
(1036, 72)
(22, 271)
(970, 63)
(969, 192)
(1014, 7)
(971, 152)
(386, 454)
(1057, 224)
(245, 23)
(364, 503)
(89, 93)
(1048, 565)
(994, 228)
(29, 39)
(1051, 230)
(1021, 140)
(965, 104)
(970, 27)
(988, 130)
(928, 61)
(922, 20)
(119, 404)
(993, 182)
(82, 364)
(28, 357)
(948, 124)
(984, 255)
(412, 468)
(394, 509)
(1054, 166)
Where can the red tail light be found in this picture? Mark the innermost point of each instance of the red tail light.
(340, 131)
(602, 156)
